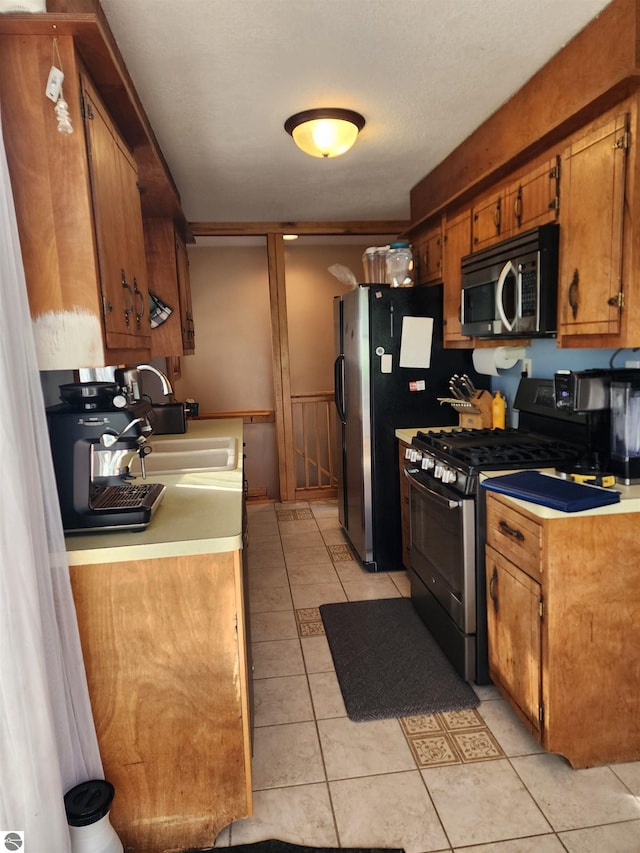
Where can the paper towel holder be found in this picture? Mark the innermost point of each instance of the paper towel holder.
(488, 360)
(518, 353)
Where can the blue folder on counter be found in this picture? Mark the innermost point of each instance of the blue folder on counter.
(551, 491)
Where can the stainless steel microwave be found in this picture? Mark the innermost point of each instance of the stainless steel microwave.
(511, 289)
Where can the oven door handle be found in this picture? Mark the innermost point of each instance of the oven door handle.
(450, 503)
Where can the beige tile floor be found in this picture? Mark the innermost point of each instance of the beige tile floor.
(473, 781)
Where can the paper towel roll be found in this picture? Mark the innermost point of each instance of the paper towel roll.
(489, 360)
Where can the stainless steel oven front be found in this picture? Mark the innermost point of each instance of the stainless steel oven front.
(443, 566)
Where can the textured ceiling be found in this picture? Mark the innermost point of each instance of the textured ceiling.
(218, 78)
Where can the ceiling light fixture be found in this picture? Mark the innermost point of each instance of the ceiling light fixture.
(325, 132)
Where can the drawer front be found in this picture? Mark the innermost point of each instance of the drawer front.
(514, 535)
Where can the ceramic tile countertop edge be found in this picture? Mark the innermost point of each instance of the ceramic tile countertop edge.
(200, 513)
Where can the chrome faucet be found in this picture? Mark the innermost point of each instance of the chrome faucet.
(167, 390)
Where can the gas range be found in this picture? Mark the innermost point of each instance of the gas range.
(447, 513)
(455, 457)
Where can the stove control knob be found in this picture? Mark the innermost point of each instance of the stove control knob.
(428, 462)
(438, 471)
(449, 475)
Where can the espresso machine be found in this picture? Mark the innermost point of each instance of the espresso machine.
(95, 433)
(610, 401)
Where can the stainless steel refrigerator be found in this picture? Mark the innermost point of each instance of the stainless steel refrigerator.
(390, 368)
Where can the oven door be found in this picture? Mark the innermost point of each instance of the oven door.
(442, 544)
(442, 568)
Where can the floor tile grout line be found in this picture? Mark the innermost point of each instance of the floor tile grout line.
(509, 758)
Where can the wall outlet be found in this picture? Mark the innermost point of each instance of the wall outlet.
(632, 364)
(526, 366)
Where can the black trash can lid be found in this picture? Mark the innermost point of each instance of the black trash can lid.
(88, 802)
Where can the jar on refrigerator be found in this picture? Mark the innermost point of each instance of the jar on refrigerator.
(400, 264)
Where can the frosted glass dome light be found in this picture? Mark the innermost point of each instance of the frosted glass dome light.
(325, 132)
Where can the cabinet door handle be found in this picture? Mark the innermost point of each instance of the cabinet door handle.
(573, 294)
(517, 207)
(510, 531)
(128, 310)
(497, 216)
(139, 296)
(493, 589)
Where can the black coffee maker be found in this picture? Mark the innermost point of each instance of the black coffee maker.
(609, 398)
(94, 435)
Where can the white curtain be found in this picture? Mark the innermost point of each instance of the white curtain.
(47, 736)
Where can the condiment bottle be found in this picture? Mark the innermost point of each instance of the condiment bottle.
(498, 411)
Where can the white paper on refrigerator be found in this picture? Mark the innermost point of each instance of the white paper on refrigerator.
(416, 340)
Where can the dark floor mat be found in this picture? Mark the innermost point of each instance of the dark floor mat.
(273, 846)
(388, 663)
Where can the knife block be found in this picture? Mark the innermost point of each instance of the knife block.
(476, 414)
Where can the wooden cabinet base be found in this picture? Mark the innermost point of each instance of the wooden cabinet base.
(564, 641)
(164, 648)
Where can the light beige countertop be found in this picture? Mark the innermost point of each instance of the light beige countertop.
(629, 500)
(200, 513)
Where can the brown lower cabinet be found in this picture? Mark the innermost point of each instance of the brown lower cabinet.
(563, 605)
(164, 644)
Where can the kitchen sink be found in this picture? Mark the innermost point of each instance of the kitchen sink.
(188, 445)
(189, 454)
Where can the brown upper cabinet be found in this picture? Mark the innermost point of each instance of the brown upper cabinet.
(168, 266)
(122, 275)
(517, 206)
(81, 198)
(457, 244)
(594, 171)
(427, 253)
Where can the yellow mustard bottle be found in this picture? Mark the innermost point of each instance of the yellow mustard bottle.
(498, 411)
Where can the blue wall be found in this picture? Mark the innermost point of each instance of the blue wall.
(546, 358)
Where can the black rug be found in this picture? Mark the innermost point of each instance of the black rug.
(387, 662)
(273, 846)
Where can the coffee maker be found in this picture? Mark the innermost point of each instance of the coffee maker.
(610, 400)
(625, 426)
(94, 435)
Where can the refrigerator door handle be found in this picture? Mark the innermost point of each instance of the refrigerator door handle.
(338, 385)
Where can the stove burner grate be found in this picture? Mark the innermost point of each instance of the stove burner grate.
(495, 448)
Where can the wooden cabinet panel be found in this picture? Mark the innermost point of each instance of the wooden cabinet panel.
(73, 260)
(427, 250)
(487, 226)
(533, 199)
(593, 195)
(569, 636)
(168, 270)
(530, 200)
(457, 244)
(164, 648)
(184, 291)
(513, 620)
(515, 536)
(118, 225)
